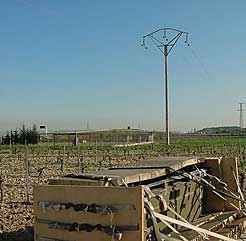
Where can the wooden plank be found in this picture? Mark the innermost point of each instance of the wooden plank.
(229, 165)
(213, 203)
(141, 171)
(76, 181)
(222, 168)
(89, 195)
(176, 162)
(122, 218)
(190, 226)
(212, 222)
(43, 230)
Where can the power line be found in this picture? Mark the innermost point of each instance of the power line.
(200, 61)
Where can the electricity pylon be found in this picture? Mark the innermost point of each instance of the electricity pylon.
(241, 114)
(160, 39)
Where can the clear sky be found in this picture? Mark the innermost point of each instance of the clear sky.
(65, 63)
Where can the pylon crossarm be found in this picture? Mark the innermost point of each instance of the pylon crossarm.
(175, 41)
(164, 29)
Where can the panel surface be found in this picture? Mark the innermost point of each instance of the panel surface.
(130, 215)
(141, 171)
(222, 168)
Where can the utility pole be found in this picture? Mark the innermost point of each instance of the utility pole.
(165, 39)
(241, 115)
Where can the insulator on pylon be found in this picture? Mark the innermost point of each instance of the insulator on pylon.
(187, 40)
(143, 43)
(165, 35)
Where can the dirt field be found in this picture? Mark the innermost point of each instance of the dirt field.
(47, 161)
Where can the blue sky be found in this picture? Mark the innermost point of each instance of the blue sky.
(65, 63)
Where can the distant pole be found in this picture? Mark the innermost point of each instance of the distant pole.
(78, 158)
(161, 41)
(76, 138)
(166, 96)
(1, 189)
(64, 157)
(241, 116)
(27, 167)
(10, 143)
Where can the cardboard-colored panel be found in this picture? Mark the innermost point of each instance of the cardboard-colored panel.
(213, 203)
(141, 171)
(222, 168)
(133, 197)
(229, 166)
(70, 216)
(76, 181)
(43, 231)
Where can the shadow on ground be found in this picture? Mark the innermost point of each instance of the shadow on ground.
(20, 235)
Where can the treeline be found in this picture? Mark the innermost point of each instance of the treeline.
(21, 136)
